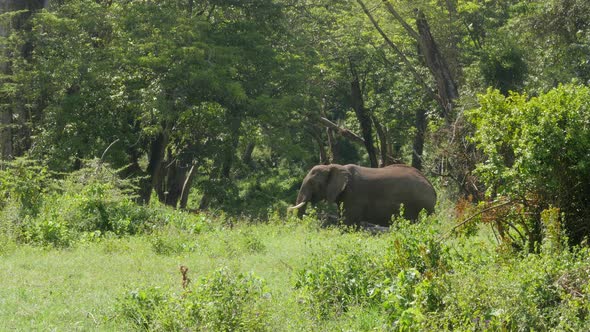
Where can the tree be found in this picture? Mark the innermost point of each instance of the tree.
(13, 18)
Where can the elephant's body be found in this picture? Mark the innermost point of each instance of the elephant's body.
(370, 195)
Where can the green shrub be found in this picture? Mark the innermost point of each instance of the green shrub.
(47, 232)
(24, 182)
(414, 246)
(537, 156)
(87, 204)
(143, 307)
(221, 301)
(331, 283)
(402, 278)
(414, 265)
(171, 240)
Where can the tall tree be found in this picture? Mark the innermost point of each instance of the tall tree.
(13, 18)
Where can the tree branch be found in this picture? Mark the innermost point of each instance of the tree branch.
(401, 20)
(472, 217)
(342, 131)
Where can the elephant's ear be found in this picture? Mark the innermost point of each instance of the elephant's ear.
(337, 181)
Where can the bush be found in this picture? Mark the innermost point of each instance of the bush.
(90, 201)
(332, 283)
(38, 207)
(221, 301)
(414, 265)
(403, 278)
(24, 182)
(530, 292)
(537, 155)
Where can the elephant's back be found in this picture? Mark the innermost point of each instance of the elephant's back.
(401, 179)
(396, 172)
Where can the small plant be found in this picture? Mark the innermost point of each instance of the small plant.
(221, 301)
(143, 307)
(332, 283)
(48, 232)
(252, 242)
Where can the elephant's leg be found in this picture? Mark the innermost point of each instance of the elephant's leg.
(353, 214)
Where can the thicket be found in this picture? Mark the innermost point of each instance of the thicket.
(418, 276)
(50, 209)
(536, 162)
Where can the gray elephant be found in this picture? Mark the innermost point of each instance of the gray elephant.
(368, 195)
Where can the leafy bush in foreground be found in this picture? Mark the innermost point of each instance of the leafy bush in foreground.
(532, 292)
(417, 282)
(23, 183)
(222, 301)
(537, 156)
(332, 283)
(401, 279)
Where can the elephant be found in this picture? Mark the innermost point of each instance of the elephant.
(368, 195)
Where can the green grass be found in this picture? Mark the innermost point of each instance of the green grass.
(78, 288)
(313, 280)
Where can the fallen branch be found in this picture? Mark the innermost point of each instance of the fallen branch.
(101, 161)
(473, 217)
(342, 131)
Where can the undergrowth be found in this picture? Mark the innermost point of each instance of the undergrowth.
(289, 274)
(224, 300)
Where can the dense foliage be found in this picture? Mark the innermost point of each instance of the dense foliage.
(285, 274)
(537, 154)
(224, 104)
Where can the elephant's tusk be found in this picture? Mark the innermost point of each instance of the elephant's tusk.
(296, 206)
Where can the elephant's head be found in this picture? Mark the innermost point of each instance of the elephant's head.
(323, 182)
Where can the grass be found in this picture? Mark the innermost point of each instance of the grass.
(77, 288)
(314, 279)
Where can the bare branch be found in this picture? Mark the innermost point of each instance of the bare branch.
(342, 131)
(473, 216)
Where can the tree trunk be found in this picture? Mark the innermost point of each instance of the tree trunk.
(436, 63)
(247, 155)
(186, 187)
(234, 124)
(317, 136)
(5, 100)
(386, 158)
(14, 137)
(418, 146)
(226, 159)
(332, 147)
(190, 7)
(174, 182)
(447, 90)
(156, 160)
(363, 117)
